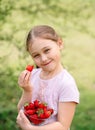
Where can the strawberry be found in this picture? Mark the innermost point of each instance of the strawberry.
(41, 105)
(36, 103)
(30, 112)
(47, 114)
(26, 107)
(29, 68)
(39, 111)
(31, 105)
(42, 116)
(51, 110)
(44, 109)
(34, 119)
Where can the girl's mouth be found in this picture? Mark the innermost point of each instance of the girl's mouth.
(47, 63)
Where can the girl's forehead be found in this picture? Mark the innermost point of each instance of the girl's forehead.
(39, 44)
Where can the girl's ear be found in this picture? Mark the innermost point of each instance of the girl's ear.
(60, 43)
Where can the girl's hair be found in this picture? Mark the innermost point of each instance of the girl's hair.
(41, 31)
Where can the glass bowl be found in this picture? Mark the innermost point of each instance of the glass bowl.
(37, 112)
(35, 120)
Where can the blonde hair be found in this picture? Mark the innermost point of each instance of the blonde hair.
(41, 31)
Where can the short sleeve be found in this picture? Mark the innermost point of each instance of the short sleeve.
(69, 92)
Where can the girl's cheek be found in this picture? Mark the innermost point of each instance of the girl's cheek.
(37, 61)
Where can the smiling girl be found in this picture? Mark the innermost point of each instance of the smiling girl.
(50, 83)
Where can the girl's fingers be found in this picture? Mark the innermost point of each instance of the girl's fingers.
(21, 77)
(24, 76)
(26, 81)
(18, 119)
(27, 77)
(21, 114)
(22, 121)
(22, 118)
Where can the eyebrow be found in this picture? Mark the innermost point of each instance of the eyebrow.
(42, 49)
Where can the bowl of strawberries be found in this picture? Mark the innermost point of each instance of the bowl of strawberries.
(37, 112)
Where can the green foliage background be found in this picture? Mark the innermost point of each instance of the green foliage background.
(75, 22)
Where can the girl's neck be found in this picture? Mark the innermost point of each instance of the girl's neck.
(50, 74)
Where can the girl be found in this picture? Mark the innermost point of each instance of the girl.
(50, 83)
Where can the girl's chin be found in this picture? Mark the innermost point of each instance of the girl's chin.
(49, 68)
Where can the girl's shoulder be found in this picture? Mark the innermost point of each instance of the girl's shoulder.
(65, 76)
(68, 75)
(65, 80)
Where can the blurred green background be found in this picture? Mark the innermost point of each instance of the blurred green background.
(75, 22)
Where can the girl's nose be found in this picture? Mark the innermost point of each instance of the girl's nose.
(43, 58)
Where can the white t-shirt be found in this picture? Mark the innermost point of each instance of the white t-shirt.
(60, 88)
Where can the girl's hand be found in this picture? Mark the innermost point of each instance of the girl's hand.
(24, 80)
(23, 122)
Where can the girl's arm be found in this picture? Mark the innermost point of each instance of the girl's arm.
(24, 83)
(65, 115)
(25, 98)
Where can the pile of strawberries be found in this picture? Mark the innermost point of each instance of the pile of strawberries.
(37, 112)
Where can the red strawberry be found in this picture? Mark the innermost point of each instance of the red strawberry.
(29, 68)
(39, 111)
(51, 110)
(42, 105)
(36, 103)
(47, 114)
(45, 109)
(42, 116)
(31, 105)
(26, 107)
(29, 112)
(34, 119)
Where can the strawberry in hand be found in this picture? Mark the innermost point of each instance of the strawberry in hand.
(29, 68)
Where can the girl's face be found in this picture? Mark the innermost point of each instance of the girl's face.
(46, 53)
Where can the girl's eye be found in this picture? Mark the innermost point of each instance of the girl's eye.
(35, 56)
(47, 50)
